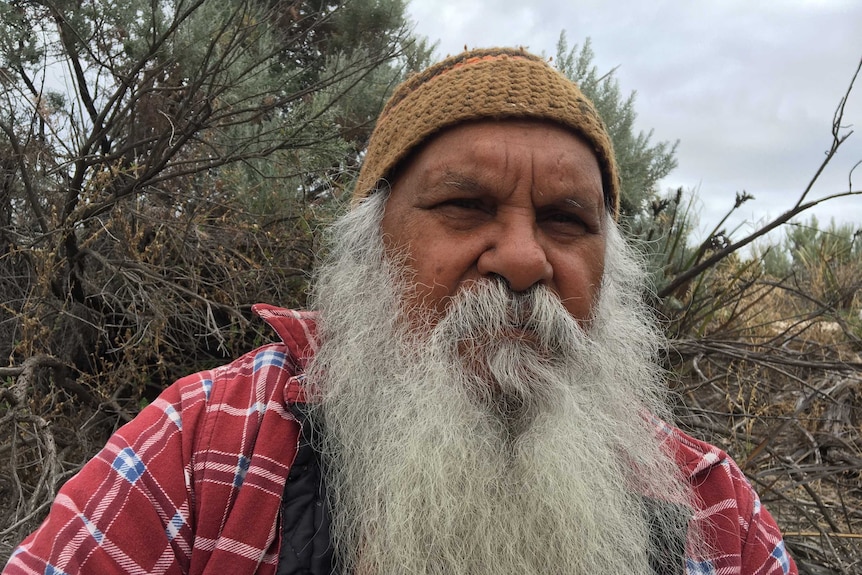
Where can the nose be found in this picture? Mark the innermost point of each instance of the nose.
(517, 255)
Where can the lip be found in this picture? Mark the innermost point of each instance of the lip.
(520, 333)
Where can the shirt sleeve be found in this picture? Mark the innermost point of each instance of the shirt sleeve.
(740, 535)
(763, 550)
(129, 508)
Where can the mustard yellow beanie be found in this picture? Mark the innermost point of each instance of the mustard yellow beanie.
(492, 83)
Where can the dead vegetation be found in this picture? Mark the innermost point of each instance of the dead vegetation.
(768, 365)
(788, 408)
(159, 163)
(104, 304)
(771, 371)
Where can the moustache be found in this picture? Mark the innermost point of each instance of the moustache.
(488, 313)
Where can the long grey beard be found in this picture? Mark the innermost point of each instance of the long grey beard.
(503, 439)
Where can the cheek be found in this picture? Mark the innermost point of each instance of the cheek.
(578, 282)
(436, 278)
(439, 271)
(580, 304)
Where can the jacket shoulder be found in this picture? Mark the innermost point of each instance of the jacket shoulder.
(741, 534)
(297, 329)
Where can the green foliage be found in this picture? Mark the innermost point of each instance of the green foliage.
(663, 231)
(170, 177)
(807, 242)
(361, 22)
(642, 164)
(826, 264)
(775, 260)
(145, 208)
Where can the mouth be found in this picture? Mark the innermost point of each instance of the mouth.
(519, 333)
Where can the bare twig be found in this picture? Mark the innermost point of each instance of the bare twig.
(798, 208)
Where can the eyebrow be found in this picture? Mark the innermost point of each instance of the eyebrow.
(582, 205)
(463, 182)
(467, 183)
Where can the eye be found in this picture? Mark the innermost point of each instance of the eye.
(563, 218)
(462, 213)
(464, 204)
(563, 222)
(463, 207)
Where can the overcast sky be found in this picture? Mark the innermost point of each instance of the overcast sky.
(748, 87)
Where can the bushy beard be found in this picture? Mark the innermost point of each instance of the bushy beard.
(501, 439)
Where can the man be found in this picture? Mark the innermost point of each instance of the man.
(476, 391)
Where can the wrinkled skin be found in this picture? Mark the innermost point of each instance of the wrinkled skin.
(522, 200)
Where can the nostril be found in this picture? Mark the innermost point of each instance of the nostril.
(497, 278)
(518, 257)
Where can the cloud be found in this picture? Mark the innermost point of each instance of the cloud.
(749, 89)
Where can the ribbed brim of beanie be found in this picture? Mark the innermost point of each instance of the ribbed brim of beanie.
(496, 83)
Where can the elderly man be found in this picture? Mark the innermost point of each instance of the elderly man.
(475, 392)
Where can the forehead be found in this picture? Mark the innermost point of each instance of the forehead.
(502, 153)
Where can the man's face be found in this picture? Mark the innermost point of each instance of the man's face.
(504, 438)
(522, 200)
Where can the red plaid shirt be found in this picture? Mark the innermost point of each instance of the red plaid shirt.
(194, 483)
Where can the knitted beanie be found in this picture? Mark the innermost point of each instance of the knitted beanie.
(493, 83)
